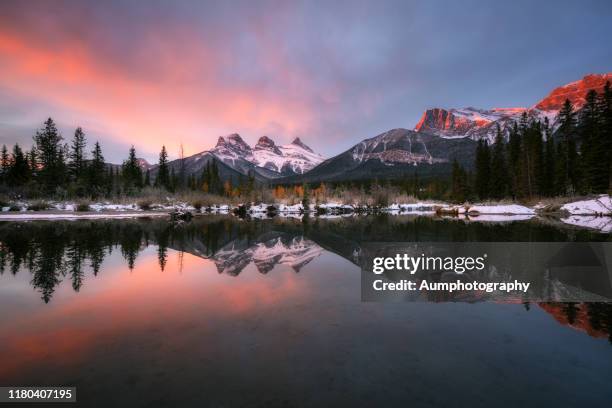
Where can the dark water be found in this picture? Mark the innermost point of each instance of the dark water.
(229, 312)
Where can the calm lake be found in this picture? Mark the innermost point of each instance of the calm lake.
(228, 312)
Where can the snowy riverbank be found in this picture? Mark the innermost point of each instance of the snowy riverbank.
(593, 213)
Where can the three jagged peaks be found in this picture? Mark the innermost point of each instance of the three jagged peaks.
(293, 158)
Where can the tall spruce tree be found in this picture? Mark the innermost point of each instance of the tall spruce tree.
(131, 172)
(97, 172)
(163, 173)
(50, 153)
(566, 158)
(483, 169)
(459, 183)
(18, 172)
(514, 154)
(499, 170)
(78, 156)
(590, 143)
(549, 161)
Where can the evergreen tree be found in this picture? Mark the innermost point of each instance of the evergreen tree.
(131, 172)
(566, 158)
(605, 103)
(19, 172)
(459, 183)
(514, 154)
(590, 147)
(77, 165)
(216, 185)
(50, 153)
(531, 159)
(97, 171)
(499, 170)
(163, 174)
(483, 169)
(549, 161)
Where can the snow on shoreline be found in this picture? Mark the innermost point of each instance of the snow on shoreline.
(595, 213)
(601, 205)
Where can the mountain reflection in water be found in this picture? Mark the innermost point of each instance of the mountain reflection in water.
(58, 251)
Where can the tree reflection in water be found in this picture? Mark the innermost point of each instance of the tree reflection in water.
(54, 251)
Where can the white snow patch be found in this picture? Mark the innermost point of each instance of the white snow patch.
(601, 205)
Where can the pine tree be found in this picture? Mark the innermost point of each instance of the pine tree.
(602, 144)
(566, 170)
(131, 172)
(216, 185)
(549, 161)
(514, 154)
(459, 183)
(77, 165)
(98, 178)
(18, 172)
(531, 159)
(483, 169)
(50, 153)
(499, 170)
(606, 121)
(163, 174)
(588, 128)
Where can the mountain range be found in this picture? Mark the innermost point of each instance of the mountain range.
(441, 135)
(265, 161)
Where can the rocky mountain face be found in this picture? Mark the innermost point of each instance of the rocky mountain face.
(395, 153)
(482, 123)
(574, 91)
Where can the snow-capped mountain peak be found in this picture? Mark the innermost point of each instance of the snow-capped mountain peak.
(298, 142)
(265, 143)
(295, 157)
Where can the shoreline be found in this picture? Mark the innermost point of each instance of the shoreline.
(476, 213)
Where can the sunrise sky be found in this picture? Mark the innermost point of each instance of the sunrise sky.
(333, 73)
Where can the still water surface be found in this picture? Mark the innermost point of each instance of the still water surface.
(228, 312)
